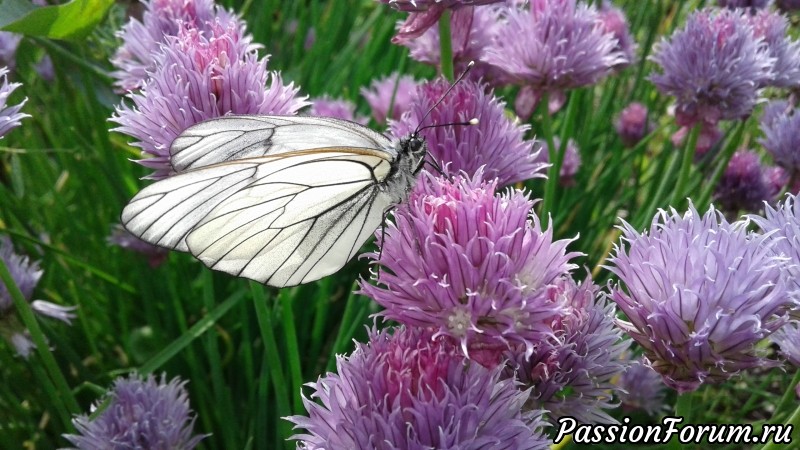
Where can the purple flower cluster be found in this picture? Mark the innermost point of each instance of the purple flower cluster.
(699, 293)
(393, 92)
(744, 185)
(201, 74)
(570, 372)
(138, 55)
(338, 108)
(144, 413)
(496, 145)
(641, 387)
(424, 14)
(9, 114)
(555, 45)
(633, 124)
(570, 164)
(123, 238)
(781, 127)
(713, 67)
(26, 275)
(412, 390)
(472, 265)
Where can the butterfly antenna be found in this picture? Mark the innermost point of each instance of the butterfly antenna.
(452, 85)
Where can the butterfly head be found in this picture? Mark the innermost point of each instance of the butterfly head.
(416, 150)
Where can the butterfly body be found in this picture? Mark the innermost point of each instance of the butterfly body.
(282, 200)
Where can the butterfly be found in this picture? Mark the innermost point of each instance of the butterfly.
(282, 200)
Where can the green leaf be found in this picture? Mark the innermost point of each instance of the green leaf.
(73, 20)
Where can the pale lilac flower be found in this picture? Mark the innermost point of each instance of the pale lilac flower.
(788, 339)
(781, 225)
(615, 22)
(570, 372)
(743, 186)
(470, 264)
(409, 390)
(554, 46)
(496, 144)
(773, 28)
(633, 124)
(781, 127)
(641, 387)
(424, 14)
(472, 31)
(699, 293)
(755, 4)
(125, 239)
(8, 49)
(10, 116)
(141, 413)
(26, 275)
(137, 57)
(393, 91)
(339, 108)
(713, 67)
(201, 76)
(788, 5)
(569, 165)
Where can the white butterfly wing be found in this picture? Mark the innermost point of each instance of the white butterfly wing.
(231, 138)
(280, 220)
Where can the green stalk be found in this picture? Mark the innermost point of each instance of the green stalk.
(62, 395)
(793, 422)
(553, 155)
(292, 348)
(272, 357)
(686, 166)
(722, 164)
(683, 408)
(446, 46)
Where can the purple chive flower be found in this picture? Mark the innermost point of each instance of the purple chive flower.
(137, 57)
(569, 165)
(713, 67)
(781, 126)
(773, 28)
(387, 92)
(142, 413)
(614, 21)
(496, 143)
(709, 136)
(124, 239)
(570, 372)
(633, 124)
(699, 294)
(470, 264)
(201, 76)
(788, 5)
(9, 115)
(338, 108)
(8, 49)
(472, 30)
(26, 275)
(425, 13)
(788, 339)
(409, 390)
(776, 179)
(554, 46)
(743, 186)
(781, 225)
(755, 4)
(641, 387)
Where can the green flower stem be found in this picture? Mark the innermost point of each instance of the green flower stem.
(446, 46)
(683, 408)
(554, 155)
(794, 422)
(789, 397)
(292, 348)
(62, 394)
(686, 166)
(722, 164)
(272, 357)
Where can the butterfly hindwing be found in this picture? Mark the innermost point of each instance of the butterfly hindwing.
(281, 220)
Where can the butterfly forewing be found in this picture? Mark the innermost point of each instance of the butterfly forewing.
(281, 219)
(231, 138)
